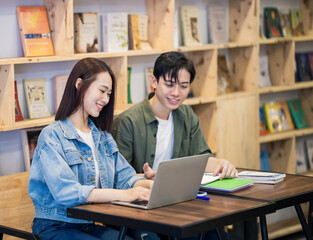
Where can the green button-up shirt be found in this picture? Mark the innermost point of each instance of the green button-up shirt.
(135, 132)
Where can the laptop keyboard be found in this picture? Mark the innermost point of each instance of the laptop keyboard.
(140, 202)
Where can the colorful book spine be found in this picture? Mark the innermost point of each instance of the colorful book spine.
(297, 113)
(272, 117)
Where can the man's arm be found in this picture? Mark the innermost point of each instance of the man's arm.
(200, 146)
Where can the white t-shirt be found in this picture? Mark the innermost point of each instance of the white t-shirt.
(164, 141)
(87, 137)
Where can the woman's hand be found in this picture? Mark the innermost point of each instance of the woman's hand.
(136, 193)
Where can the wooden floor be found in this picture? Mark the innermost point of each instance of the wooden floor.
(294, 236)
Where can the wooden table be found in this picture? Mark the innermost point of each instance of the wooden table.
(294, 190)
(178, 220)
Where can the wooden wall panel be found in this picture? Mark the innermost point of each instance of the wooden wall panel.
(119, 68)
(7, 106)
(161, 23)
(207, 116)
(205, 82)
(281, 63)
(60, 16)
(238, 132)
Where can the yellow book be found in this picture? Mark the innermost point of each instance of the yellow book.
(272, 117)
(35, 97)
(133, 31)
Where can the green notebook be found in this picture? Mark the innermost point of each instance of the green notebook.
(227, 184)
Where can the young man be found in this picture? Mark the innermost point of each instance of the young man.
(161, 127)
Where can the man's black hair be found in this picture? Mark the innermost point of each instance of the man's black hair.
(170, 63)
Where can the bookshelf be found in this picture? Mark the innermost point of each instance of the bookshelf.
(281, 52)
(229, 121)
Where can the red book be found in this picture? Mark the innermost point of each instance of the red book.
(18, 113)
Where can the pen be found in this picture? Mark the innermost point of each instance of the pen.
(203, 197)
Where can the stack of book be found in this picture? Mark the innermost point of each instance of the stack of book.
(262, 177)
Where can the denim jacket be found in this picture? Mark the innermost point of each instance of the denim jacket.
(62, 174)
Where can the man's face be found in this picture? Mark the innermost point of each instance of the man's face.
(170, 94)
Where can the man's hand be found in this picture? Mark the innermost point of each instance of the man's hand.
(222, 166)
(148, 172)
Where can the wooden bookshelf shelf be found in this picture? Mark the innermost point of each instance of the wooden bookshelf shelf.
(234, 95)
(296, 86)
(285, 39)
(236, 45)
(199, 100)
(272, 137)
(28, 123)
(197, 48)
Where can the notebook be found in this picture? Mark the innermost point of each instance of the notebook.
(177, 180)
(227, 185)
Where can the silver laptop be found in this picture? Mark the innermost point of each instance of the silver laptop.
(176, 180)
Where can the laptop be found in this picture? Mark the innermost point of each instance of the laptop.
(177, 180)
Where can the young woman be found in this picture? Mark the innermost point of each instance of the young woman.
(76, 160)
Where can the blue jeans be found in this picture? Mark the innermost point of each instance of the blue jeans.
(56, 230)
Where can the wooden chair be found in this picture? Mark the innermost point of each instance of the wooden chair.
(16, 208)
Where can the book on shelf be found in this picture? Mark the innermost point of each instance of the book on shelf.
(272, 22)
(264, 160)
(35, 31)
(301, 163)
(143, 32)
(303, 67)
(115, 32)
(309, 150)
(138, 32)
(272, 117)
(148, 77)
(262, 34)
(262, 122)
(189, 16)
(18, 112)
(86, 32)
(264, 74)
(310, 61)
(218, 21)
(227, 185)
(296, 22)
(285, 22)
(224, 84)
(133, 32)
(297, 114)
(59, 86)
(262, 177)
(29, 138)
(35, 93)
(284, 115)
(129, 70)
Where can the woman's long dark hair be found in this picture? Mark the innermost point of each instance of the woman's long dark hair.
(87, 69)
